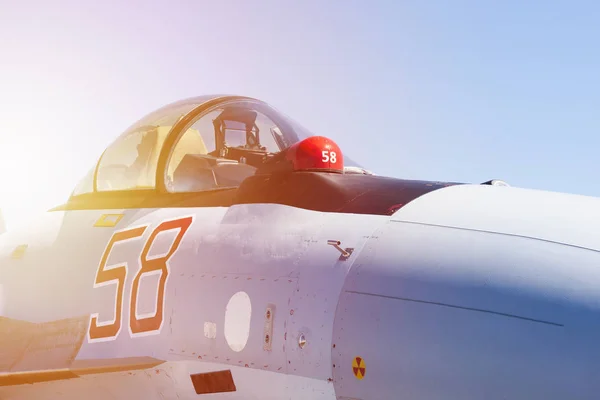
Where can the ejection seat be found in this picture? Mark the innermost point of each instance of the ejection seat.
(197, 172)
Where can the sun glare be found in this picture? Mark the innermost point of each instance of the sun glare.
(32, 164)
(47, 142)
(23, 193)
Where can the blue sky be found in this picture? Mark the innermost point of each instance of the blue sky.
(441, 90)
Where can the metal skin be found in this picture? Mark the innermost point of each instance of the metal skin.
(467, 292)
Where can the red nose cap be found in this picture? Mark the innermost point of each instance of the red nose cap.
(316, 153)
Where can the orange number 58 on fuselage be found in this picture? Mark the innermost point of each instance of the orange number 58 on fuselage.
(117, 274)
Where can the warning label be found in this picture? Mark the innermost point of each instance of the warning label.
(359, 368)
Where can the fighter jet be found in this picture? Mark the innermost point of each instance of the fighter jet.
(219, 250)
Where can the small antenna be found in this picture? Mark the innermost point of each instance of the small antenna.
(496, 182)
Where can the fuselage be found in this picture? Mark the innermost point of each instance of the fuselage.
(463, 292)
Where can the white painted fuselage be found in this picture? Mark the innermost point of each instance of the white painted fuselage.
(467, 292)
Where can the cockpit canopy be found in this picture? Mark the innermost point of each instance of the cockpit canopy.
(197, 144)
